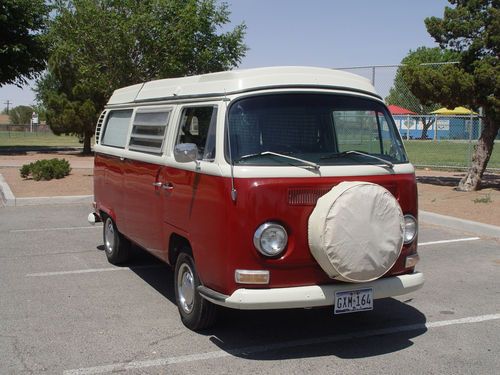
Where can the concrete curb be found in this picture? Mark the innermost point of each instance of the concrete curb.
(460, 224)
(6, 195)
(9, 199)
(68, 199)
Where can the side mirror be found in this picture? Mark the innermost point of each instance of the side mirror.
(186, 152)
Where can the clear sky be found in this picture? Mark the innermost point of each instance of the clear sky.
(327, 33)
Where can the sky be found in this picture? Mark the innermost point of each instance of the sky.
(324, 33)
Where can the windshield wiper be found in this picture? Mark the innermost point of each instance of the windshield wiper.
(344, 153)
(263, 153)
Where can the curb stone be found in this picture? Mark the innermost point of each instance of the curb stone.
(460, 224)
(6, 195)
(9, 200)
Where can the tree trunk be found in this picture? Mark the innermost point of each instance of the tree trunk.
(482, 154)
(425, 127)
(86, 144)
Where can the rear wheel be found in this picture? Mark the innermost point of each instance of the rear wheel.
(116, 246)
(196, 312)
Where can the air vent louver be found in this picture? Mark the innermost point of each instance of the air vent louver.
(99, 127)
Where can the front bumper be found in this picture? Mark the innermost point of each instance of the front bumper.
(310, 296)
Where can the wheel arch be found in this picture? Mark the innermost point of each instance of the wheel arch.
(178, 244)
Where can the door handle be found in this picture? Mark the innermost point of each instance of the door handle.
(167, 186)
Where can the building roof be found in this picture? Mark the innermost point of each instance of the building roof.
(397, 110)
(454, 111)
(230, 82)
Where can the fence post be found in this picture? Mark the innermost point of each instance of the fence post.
(408, 127)
(435, 128)
(469, 161)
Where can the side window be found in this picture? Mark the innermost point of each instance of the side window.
(198, 126)
(116, 128)
(148, 131)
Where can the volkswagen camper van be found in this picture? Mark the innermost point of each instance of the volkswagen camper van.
(269, 188)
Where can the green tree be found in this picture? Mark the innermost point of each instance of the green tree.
(21, 115)
(401, 95)
(471, 29)
(22, 51)
(96, 46)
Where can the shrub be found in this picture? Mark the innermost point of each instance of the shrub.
(46, 169)
(25, 170)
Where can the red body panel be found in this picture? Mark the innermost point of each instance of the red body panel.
(108, 186)
(262, 200)
(220, 231)
(142, 205)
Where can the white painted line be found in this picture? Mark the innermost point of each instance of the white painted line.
(449, 241)
(134, 365)
(90, 270)
(52, 229)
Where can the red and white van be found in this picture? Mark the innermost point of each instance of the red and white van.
(271, 188)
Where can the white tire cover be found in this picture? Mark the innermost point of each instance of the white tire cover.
(356, 231)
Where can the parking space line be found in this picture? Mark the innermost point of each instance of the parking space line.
(92, 270)
(135, 365)
(52, 229)
(449, 241)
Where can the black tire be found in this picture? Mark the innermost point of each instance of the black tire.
(116, 246)
(196, 312)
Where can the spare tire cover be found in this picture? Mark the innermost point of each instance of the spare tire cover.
(355, 231)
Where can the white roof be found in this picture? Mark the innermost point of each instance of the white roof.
(230, 82)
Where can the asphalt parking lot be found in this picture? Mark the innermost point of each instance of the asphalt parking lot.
(64, 309)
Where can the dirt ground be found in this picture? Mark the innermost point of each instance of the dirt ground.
(436, 193)
(435, 188)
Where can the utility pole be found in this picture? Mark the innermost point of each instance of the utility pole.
(8, 103)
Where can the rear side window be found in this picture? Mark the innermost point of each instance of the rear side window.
(116, 128)
(148, 131)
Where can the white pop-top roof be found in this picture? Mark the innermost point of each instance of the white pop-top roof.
(230, 82)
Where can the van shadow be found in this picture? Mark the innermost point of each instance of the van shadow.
(298, 333)
(153, 271)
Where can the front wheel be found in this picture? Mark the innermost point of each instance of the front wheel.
(196, 312)
(116, 246)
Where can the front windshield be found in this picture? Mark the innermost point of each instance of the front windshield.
(319, 128)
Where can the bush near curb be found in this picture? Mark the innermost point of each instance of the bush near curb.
(46, 169)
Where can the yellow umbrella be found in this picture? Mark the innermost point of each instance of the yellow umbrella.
(455, 111)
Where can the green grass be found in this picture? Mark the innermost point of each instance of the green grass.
(36, 140)
(446, 153)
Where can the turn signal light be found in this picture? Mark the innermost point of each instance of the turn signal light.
(251, 277)
(411, 260)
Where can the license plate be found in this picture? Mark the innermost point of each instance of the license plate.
(353, 301)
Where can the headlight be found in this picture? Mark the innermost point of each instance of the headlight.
(270, 239)
(411, 229)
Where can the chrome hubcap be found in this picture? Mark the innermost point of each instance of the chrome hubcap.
(185, 288)
(109, 236)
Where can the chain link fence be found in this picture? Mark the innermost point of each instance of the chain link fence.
(33, 137)
(28, 130)
(434, 136)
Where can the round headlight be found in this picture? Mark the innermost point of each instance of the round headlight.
(411, 229)
(270, 239)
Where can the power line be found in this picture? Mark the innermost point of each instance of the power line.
(8, 103)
